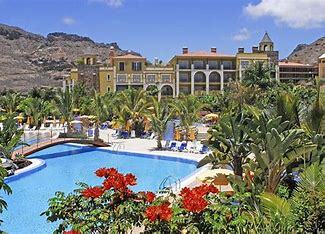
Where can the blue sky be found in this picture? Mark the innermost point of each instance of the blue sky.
(160, 28)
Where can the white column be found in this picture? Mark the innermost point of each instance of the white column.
(207, 84)
(114, 79)
(277, 73)
(64, 85)
(221, 78)
(159, 93)
(177, 80)
(192, 79)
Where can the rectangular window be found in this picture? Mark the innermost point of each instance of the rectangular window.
(121, 78)
(199, 64)
(151, 78)
(136, 78)
(184, 64)
(136, 66)
(121, 66)
(227, 65)
(214, 64)
(108, 77)
(184, 77)
(244, 64)
(166, 78)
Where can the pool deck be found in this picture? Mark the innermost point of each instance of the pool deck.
(144, 146)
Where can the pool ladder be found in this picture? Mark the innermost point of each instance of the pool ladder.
(118, 146)
(168, 184)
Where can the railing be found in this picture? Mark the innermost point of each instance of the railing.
(168, 184)
(116, 146)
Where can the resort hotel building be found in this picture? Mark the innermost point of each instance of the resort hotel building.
(190, 72)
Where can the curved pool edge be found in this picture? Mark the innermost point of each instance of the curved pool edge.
(37, 164)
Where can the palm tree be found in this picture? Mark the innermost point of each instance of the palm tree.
(131, 105)
(78, 93)
(64, 104)
(10, 136)
(36, 109)
(288, 106)
(100, 109)
(258, 74)
(307, 203)
(276, 148)
(229, 138)
(188, 108)
(10, 102)
(159, 117)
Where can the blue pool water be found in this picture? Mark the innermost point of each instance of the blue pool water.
(67, 164)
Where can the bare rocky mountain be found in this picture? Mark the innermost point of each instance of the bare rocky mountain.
(309, 54)
(29, 60)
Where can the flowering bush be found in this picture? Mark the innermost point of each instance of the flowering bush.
(113, 207)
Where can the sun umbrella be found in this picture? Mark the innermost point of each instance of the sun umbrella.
(76, 122)
(214, 173)
(84, 117)
(211, 116)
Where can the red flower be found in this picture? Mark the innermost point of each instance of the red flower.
(150, 197)
(92, 192)
(162, 212)
(194, 204)
(72, 232)
(101, 172)
(105, 172)
(193, 199)
(130, 179)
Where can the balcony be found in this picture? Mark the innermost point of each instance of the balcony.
(121, 79)
(136, 79)
(151, 79)
(166, 79)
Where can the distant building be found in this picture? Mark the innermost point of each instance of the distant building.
(296, 72)
(321, 69)
(190, 72)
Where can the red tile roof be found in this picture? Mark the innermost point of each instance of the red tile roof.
(293, 64)
(129, 56)
(203, 54)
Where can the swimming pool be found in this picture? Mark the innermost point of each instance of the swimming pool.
(67, 164)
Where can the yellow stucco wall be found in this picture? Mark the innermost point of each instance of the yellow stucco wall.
(74, 74)
(104, 82)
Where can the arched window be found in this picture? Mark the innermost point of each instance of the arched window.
(199, 77)
(214, 77)
(166, 90)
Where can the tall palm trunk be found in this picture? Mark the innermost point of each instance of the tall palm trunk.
(96, 133)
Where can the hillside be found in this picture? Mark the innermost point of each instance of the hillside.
(28, 60)
(308, 53)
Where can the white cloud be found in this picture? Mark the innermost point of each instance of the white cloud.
(294, 13)
(242, 35)
(111, 3)
(68, 20)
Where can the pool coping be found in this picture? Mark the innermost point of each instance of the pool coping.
(39, 164)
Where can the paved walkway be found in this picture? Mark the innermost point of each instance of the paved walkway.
(145, 146)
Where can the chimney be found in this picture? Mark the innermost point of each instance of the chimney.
(213, 50)
(111, 54)
(185, 50)
(156, 61)
(254, 49)
(241, 50)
